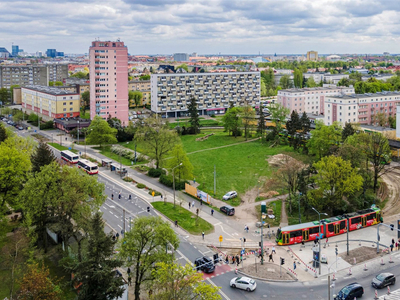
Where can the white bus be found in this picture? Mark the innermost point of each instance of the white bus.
(69, 156)
(88, 166)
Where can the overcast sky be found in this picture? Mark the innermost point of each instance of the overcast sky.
(205, 27)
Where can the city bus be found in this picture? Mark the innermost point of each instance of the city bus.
(311, 231)
(88, 166)
(69, 156)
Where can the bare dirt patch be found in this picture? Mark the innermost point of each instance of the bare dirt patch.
(280, 160)
(392, 180)
(268, 194)
(361, 254)
(267, 271)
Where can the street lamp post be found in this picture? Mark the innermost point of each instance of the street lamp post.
(78, 132)
(319, 238)
(173, 179)
(299, 209)
(329, 279)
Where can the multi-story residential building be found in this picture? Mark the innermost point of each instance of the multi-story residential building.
(4, 53)
(181, 57)
(360, 108)
(310, 100)
(50, 102)
(171, 93)
(108, 64)
(144, 87)
(23, 75)
(58, 72)
(312, 55)
(398, 121)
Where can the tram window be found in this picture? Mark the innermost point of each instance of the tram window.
(314, 230)
(371, 216)
(330, 227)
(356, 220)
(343, 225)
(295, 233)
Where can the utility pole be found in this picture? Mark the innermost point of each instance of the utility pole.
(124, 219)
(215, 180)
(348, 229)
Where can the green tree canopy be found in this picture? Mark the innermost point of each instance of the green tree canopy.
(173, 281)
(284, 82)
(298, 78)
(323, 138)
(144, 246)
(311, 82)
(3, 133)
(194, 116)
(178, 156)
(42, 156)
(100, 132)
(232, 121)
(135, 98)
(86, 98)
(81, 75)
(247, 114)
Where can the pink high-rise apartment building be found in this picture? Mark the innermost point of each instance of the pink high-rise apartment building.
(108, 65)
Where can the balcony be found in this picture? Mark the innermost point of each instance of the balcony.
(160, 84)
(97, 104)
(163, 109)
(163, 79)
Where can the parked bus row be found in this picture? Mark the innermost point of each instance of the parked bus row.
(84, 164)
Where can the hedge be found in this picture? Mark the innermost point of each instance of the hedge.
(168, 181)
(140, 186)
(156, 172)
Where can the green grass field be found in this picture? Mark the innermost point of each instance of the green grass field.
(61, 148)
(106, 151)
(186, 219)
(203, 123)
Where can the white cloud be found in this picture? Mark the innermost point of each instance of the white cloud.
(227, 26)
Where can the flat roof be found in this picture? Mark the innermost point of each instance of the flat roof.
(205, 73)
(366, 95)
(377, 128)
(294, 90)
(49, 90)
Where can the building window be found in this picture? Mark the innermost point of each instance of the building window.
(65, 103)
(64, 109)
(70, 103)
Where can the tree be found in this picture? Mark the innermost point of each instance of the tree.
(378, 153)
(14, 167)
(311, 82)
(323, 138)
(185, 171)
(144, 77)
(292, 126)
(173, 281)
(305, 125)
(86, 98)
(391, 121)
(194, 116)
(183, 66)
(336, 179)
(247, 115)
(4, 95)
(232, 121)
(145, 245)
(298, 78)
(135, 97)
(284, 82)
(37, 284)
(380, 119)
(81, 75)
(157, 138)
(3, 133)
(43, 156)
(344, 82)
(261, 122)
(100, 132)
(347, 131)
(278, 115)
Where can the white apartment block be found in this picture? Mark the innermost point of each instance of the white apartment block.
(310, 100)
(171, 93)
(360, 108)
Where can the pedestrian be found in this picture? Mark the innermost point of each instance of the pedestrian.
(66, 139)
(212, 212)
(393, 241)
(227, 259)
(193, 203)
(112, 196)
(201, 202)
(117, 235)
(113, 238)
(176, 223)
(129, 279)
(128, 271)
(189, 205)
(245, 228)
(273, 250)
(130, 197)
(233, 260)
(397, 246)
(294, 265)
(271, 258)
(197, 211)
(237, 260)
(202, 235)
(391, 247)
(119, 196)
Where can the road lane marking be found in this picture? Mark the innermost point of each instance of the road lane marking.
(184, 257)
(225, 231)
(219, 291)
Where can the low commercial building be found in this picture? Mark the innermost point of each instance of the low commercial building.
(214, 92)
(50, 102)
(310, 100)
(360, 108)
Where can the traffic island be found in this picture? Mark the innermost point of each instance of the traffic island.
(267, 272)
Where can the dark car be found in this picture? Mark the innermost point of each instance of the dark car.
(351, 291)
(204, 264)
(229, 210)
(382, 280)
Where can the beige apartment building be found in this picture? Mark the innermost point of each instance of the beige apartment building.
(143, 86)
(214, 92)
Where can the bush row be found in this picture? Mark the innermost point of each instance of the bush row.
(120, 150)
(168, 181)
(155, 173)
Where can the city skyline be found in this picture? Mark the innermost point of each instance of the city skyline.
(169, 26)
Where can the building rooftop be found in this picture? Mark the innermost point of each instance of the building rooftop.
(49, 90)
(376, 128)
(296, 90)
(367, 95)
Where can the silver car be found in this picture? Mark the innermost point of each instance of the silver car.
(244, 283)
(229, 195)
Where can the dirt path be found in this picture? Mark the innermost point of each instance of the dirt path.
(224, 146)
(392, 180)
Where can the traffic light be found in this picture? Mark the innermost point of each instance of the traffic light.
(148, 209)
(259, 244)
(282, 261)
(391, 227)
(244, 240)
(336, 251)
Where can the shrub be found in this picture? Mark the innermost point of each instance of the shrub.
(167, 180)
(155, 172)
(156, 193)
(212, 116)
(140, 186)
(127, 179)
(141, 169)
(47, 125)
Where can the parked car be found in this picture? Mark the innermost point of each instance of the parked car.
(227, 209)
(229, 195)
(20, 128)
(382, 280)
(204, 264)
(244, 283)
(350, 291)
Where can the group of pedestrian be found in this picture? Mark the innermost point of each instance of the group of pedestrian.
(235, 259)
(395, 245)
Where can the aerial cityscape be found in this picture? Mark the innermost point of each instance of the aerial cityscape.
(183, 149)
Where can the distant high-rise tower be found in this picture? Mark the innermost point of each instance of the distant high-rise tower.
(108, 65)
(312, 55)
(15, 50)
(181, 57)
